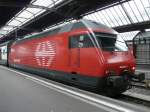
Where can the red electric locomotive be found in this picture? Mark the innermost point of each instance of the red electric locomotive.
(85, 53)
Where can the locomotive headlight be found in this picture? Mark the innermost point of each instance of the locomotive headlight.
(133, 68)
(107, 72)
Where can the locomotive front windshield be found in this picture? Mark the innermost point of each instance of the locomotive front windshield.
(110, 42)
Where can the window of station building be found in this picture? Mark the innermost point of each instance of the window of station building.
(80, 41)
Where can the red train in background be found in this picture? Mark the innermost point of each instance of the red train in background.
(84, 53)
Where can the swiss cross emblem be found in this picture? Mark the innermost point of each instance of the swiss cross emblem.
(45, 53)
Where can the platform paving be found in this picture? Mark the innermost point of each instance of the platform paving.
(18, 93)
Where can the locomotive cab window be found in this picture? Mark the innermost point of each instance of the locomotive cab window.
(80, 41)
(110, 42)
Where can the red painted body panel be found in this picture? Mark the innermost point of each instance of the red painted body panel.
(42, 52)
(119, 61)
(53, 53)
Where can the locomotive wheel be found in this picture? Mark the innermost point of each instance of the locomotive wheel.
(112, 92)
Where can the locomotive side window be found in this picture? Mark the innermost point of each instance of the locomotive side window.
(73, 42)
(80, 41)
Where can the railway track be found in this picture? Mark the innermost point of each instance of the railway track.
(138, 94)
(145, 84)
(139, 85)
(134, 98)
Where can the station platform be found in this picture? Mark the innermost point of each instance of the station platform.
(22, 92)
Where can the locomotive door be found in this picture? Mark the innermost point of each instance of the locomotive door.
(75, 43)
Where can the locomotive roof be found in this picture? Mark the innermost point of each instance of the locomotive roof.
(72, 26)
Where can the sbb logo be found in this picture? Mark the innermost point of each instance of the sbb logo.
(45, 53)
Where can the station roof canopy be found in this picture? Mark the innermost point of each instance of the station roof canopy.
(21, 17)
